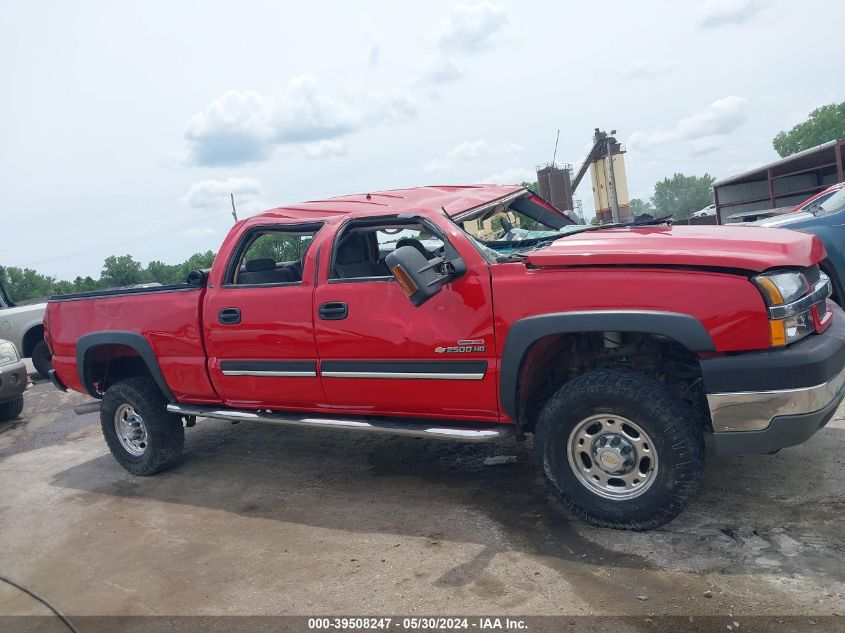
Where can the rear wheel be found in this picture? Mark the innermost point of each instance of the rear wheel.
(143, 437)
(622, 450)
(10, 409)
(42, 359)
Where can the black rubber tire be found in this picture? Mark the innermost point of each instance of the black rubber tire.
(10, 409)
(41, 359)
(675, 431)
(165, 433)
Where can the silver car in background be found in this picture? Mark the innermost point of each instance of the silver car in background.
(13, 381)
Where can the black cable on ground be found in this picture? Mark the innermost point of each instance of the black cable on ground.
(43, 601)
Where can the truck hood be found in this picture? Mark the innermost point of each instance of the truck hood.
(739, 247)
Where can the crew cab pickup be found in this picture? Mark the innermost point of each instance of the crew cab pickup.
(474, 313)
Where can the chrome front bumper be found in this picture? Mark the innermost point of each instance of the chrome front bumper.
(754, 411)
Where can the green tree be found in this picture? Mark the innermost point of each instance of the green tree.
(158, 271)
(195, 262)
(824, 124)
(121, 270)
(86, 284)
(641, 206)
(680, 196)
(25, 284)
(533, 186)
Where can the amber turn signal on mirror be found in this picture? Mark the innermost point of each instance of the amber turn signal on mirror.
(405, 282)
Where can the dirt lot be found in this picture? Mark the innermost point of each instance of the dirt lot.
(263, 520)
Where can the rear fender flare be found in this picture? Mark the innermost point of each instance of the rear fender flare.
(117, 337)
(683, 328)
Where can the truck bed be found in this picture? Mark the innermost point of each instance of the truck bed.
(167, 317)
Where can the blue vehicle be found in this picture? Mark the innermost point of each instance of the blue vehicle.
(826, 219)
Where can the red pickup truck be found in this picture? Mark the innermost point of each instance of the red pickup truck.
(473, 313)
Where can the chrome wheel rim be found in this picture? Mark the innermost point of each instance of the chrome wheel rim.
(130, 430)
(612, 457)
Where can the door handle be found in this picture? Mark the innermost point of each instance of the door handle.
(229, 316)
(333, 311)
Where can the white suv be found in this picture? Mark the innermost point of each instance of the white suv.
(23, 326)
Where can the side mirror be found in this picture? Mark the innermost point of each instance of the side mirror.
(419, 277)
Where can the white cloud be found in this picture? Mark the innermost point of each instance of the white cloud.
(470, 151)
(200, 232)
(215, 193)
(705, 145)
(512, 176)
(234, 128)
(720, 117)
(472, 27)
(321, 150)
(387, 108)
(648, 68)
(467, 30)
(715, 13)
(245, 126)
(441, 71)
(371, 35)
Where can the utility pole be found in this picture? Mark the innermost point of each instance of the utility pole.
(234, 211)
(614, 201)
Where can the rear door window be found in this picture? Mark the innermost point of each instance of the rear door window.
(272, 256)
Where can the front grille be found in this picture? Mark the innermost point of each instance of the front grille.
(813, 274)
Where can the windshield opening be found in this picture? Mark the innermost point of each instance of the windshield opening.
(512, 221)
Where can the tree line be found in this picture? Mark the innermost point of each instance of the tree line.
(26, 284)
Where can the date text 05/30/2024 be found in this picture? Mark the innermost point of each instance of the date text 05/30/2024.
(416, 623)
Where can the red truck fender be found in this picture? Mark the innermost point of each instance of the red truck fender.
(133, 340)
(683, 328)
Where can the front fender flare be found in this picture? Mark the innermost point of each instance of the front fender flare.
(685, 329)
(118, 337)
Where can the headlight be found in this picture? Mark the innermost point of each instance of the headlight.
(8, 353)
(791, 300)
(781, 288)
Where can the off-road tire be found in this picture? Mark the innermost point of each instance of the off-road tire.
(42, 359)
(676, 433)
(165, 433)
(10, 409)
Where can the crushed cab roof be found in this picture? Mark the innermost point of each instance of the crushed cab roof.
(454, 199)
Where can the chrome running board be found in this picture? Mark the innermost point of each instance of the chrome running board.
(368, 425)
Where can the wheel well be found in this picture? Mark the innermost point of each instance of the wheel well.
(110, 363)
(558, 358)
(31, 338)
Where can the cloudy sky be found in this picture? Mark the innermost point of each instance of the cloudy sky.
(125, 125)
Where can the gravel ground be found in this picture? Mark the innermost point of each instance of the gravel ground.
(261, 520)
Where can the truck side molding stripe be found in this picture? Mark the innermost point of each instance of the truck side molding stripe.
(685, 329)
(272, 369)
(412, 370)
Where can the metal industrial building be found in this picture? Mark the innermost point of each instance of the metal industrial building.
(784, 183)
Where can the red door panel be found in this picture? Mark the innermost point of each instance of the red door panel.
(391, 358)
(269, 358)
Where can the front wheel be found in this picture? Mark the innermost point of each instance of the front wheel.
(10, 409)
(141, 435)
(622, 450)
